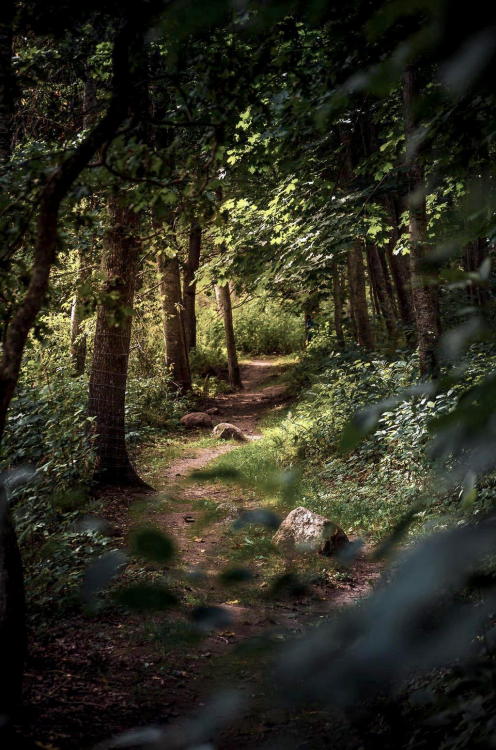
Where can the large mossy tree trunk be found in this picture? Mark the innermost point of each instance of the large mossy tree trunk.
(358, 297)
(108, 379)
(176, 352)
(189, 284)
(425, 295)
(223, 296)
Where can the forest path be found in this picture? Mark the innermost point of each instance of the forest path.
(90, 677)
(244, 409)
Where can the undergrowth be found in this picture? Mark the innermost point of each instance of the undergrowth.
(388, 475)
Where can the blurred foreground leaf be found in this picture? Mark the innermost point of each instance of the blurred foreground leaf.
(259, 517)
(146, 597)
(100, 573)
(151, 545)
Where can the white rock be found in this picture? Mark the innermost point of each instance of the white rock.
(305, 531)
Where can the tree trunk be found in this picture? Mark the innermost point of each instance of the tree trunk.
(12, 614)
(425, 295)
(78, 314)
(378, 281)
(474, 254)
(189, 284)
(401, 272)
(7, 81)
(107, 391)
(223, 296)
(78, 308)
(176, 353)
(338, 299)
(388, 282)
(358, 298)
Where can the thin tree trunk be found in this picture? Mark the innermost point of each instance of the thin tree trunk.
(176, 353)
(374, 300)
(400, 266)
(473, 257)
(78, 308)
(223, 296)
(107, 391)
(379, 284)
(78, 314)
(358, 297)
(351, 312)
(425, 296)
(393, 302)
(338, 299)
(189, 284)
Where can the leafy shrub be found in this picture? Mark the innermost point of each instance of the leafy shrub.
(266, 327)
(261, 326)
(152, 403)
(208, 361)
(47, 430)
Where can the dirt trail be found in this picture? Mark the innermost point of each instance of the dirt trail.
(244, 409)
(89, 678)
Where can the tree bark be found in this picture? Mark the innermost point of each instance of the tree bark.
(425, 295)
(358, 298)
(107, 389)
(189, 284)
(223, 296)
(378, 281)
(176, 353)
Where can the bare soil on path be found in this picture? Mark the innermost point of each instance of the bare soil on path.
(91, 677)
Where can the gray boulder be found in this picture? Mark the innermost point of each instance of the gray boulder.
(197, 419)
(305, 531)
(226, 431)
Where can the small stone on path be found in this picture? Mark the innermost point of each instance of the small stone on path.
(197, 419)
(227, 431)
